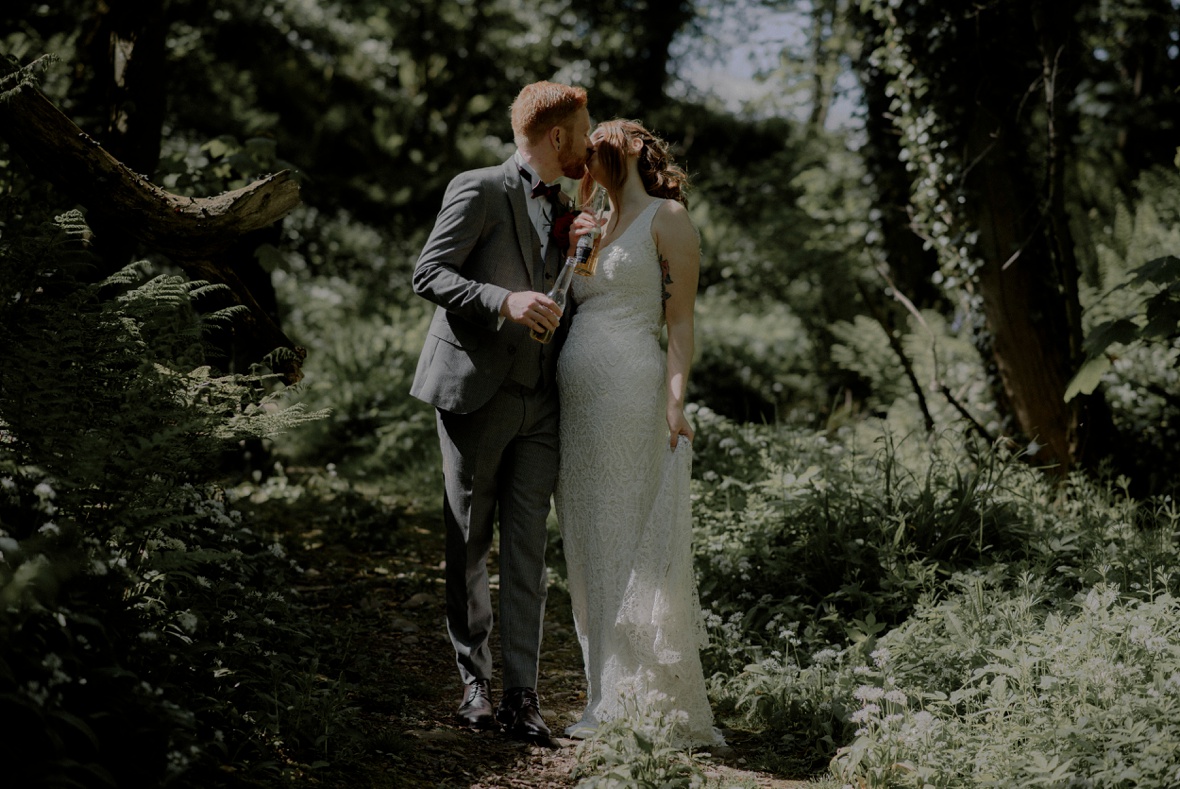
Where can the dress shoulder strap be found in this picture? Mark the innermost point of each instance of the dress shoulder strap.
(649, 213)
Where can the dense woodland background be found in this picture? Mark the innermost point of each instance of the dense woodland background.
(936, 389)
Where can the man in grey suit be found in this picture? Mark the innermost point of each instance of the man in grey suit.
(487, 264)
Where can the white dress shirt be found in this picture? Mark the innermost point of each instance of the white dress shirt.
(540, 209)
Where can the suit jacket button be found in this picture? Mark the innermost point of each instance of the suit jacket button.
(511, 350)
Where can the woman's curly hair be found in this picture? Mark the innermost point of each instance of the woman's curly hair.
(661, 176)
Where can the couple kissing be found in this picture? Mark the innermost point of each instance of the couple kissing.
(593, 421)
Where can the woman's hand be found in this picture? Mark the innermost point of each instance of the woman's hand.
(585, 222)
(678, 426)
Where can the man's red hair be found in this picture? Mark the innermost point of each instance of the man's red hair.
(541, 106)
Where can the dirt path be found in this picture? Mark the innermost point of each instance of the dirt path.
(392, 600)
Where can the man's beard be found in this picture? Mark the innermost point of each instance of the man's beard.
(572, 167)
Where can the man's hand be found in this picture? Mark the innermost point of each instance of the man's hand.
(534, 310)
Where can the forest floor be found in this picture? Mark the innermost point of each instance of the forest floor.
(379, 580)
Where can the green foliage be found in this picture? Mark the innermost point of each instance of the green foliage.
(1132, 317)
(947, 367)
(1152, 288)
(1031, 693)
(1134, 293)
(754, 366)
(923, 48)
(149, 634)
(366, 364)
(1159, 320)
(783, 228)
(869, 605)
(834, 535)
(636, 751)
(218, 165)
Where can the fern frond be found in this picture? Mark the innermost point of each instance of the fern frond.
(226, 315)
(73, 223)
(199, 288)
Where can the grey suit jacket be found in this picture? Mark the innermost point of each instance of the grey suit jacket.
(483, 246)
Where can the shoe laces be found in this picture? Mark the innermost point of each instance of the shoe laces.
(477, 689)
(529, 698)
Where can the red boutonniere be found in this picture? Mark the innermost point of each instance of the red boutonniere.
(561, 230)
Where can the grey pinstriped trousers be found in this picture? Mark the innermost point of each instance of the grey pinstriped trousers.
(499, 460)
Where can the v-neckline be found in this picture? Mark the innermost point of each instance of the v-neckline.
(630, 225)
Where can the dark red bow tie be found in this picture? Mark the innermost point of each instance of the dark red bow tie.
(542, 189)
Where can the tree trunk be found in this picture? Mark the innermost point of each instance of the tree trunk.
(135, 31)
(1028, 282)
(662, 20)
(823, 20)
(1029, 340)
(119, 97)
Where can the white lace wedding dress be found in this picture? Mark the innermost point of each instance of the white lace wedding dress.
(623, 501)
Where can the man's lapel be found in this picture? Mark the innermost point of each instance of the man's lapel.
(526, 235)
(554, 256)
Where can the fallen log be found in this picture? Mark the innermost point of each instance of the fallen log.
(194, 232)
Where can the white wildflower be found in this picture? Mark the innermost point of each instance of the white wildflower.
(188, 621)
(868, 693)
(825, 656)
(864, 714)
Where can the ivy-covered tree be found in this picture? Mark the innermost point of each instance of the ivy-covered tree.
(983, 100)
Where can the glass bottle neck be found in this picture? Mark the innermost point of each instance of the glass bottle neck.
(565, 276)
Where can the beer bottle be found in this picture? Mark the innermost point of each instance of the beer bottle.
(560, 290)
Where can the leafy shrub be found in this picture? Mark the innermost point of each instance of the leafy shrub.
(1132, 320)
(944, 362)
(147, 633)
(1003, 688)
(366, 359)
(754, 367)
(860, 599)
(824, 534)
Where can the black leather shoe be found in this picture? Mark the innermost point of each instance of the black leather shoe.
(520, 713)
(476, 710)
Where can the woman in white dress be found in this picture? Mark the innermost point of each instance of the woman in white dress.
(626, 453)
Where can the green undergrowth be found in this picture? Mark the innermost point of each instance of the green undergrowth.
(149, 634)
(935, 612)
